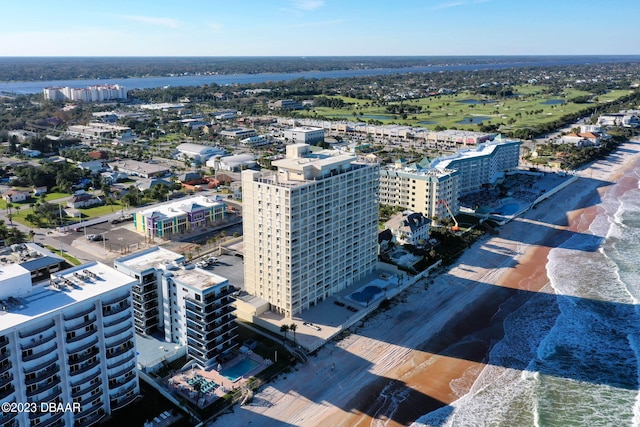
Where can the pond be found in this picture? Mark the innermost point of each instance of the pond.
(473, 120)
(553, 102)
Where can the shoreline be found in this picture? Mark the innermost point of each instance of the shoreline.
(428, 349)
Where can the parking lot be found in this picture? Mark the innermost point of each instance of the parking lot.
(229, 267)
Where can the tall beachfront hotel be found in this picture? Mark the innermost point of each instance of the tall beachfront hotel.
(310, 227)
(68, 343)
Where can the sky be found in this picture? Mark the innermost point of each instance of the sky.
(318, 27)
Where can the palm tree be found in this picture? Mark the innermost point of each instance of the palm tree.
(32, 235)
(284, 329)
(292, 328)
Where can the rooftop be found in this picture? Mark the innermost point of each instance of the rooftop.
(28, 255)
(198, 278)
(66, 288)
(150, 258)
(179, 207)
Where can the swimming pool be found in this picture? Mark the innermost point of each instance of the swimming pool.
(366, 294)
(236, 371)
(509, 209)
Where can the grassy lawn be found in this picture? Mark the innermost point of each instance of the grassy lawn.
(20, 216)
(69, 258)
(464, 110)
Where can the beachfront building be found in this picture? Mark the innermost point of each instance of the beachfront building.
(179, 216)
(409, 228)
(90, 94)
(420, 189)
(304, 135)
(187, 306)
(485, 164)
(310, 227)
(67, 340)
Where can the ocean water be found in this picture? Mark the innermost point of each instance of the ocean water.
(570, 355)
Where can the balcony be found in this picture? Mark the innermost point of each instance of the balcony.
(142, 315)
(80, 314)
(122, 362)
(3, 341)
(6, 417)
(117, 320)
(41, 366)
(41, 329)
(112, 310)
(125, 328)
(85, 367)
(124, 390)
(81, 336)
(76, 358)
(81, 325)
(113, 384)
(115, 404)
(122, 350)
(90, 387)
(7, 391)
(83, 347)
(42, 388)
(121, 341)
(39, 354)
(43, 374)
(122, 371)
(193, 305)
(5, 379)
(89, 410)
(51, 421)
(116, 300)
(91, 419)
(50, 397)
(4, 356)
(150, 296)
(85, 380)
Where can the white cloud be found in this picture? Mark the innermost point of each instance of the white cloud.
(164, 22)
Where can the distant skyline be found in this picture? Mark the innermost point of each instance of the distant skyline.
(319, 28)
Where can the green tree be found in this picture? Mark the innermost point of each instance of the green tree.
(284, 329)
(292, 328)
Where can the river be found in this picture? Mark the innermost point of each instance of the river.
(29, 87)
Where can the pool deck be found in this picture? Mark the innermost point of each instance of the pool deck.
(320, 323)
(179, 383)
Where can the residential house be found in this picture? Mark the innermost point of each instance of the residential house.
(13, 195)
(84, 201)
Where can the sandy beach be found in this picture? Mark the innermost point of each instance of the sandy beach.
(428, 348)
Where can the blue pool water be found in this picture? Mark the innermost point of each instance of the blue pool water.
(509, 209)
(474, 120)
(366, 294)
(239, 369)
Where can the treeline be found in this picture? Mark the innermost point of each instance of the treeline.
(32, 69)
